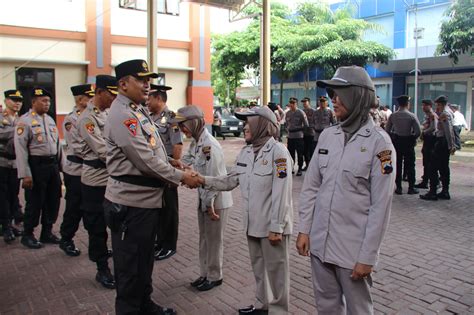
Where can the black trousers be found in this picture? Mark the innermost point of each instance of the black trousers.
(296, 146)
(133, 257)
(73, 212)
(405, 147)
(168, 220)
(9, 189)
(44, 198)
(308, 148)
(94, 222)
(440, 164)
(427, 151)
(457, 137)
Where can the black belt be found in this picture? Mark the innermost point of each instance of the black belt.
(95, 163)
(140, 180)
(8, 156)
(74, 159)
(37, 159)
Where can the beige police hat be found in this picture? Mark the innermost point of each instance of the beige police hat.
(348, 76)
(263, 111)
(186, 113)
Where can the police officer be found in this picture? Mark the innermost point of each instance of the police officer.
(443, 148)
(296, 122)
(428, 135)
(72, 168)
(138, 169)
(206, 157)
(9, 183)
(171, 137)
(38, 162)
(308, 132)
(346, 198)
(323, 118)
(94, 174)
(404, 127)
(261, 170)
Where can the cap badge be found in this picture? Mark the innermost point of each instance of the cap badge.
(38, 92)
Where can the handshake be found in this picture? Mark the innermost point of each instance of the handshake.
(191, 178)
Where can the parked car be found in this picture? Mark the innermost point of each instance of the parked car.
(230, 124)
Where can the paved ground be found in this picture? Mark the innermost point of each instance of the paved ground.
(426, 267)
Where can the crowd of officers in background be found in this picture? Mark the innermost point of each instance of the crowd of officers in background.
(103, 165)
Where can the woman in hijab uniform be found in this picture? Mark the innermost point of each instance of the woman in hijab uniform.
(346, 198)
(206, 157)
(261, 170)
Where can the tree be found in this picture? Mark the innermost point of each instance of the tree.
(457, 33)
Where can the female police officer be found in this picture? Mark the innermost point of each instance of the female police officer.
(346, 198)
(261, 170)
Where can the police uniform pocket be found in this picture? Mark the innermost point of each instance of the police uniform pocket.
(263, 177)
(355, 178)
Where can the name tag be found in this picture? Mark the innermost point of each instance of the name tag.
(323, 151)
(241, 164)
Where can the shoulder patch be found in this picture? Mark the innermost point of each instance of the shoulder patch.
(207, 152)
(131, 124)
(68, 126)
(90, 127)
(385, 158)
(20, 130)
(281, 167)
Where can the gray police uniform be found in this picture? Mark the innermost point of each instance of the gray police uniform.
(72, 167)
(322, 119)
(9, 183)
(138, 169)
(39, 156)
(345, 206)
(94, 181)
(268, 207)
(404, 127)
(309, 135)
(206, 157)
(169, 216)
(296, 122)
(429, 140)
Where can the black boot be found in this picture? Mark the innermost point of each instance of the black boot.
(412, 191)
(300, 172)
(398, 190)
(444, 194)
(69, 248)
(431, 195)
(30, 241)
(422, 185)
(48, 237)
(8, 235)
(105, 277)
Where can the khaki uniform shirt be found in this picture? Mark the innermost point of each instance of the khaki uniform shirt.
(73, 143)
(445, 127)
(296, 122)
(309, 131)
(207, 158)
(347, 195)
(35, 136)
(403, 123)
(91, 129)
(170, 134)
(430, 123)
(266, 188)
(7, 134)
(134, 147)
(322, 119)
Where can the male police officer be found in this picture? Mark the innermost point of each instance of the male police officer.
(404, 126)
(308, 132)
(323, 118)
(296, 122)
(94, 174)
(138, 169)
(443, 148)
(72, 167)
(429, 138)
(38, 161)
(173, 142)
(9, 183)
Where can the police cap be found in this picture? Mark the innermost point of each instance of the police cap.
(83, 89)
(348, 76)
(106, 82)
(137, 68)
(443, 99)
(13, 95)
(263, 111)
(39, 91)
(187, 113)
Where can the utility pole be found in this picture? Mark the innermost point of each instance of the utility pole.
(152, 38)
(265, 61)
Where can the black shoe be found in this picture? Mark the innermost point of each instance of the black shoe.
(49, 238)
(165, 253)
(443, 195)
(299, 173)
(422, 185)
(16, 231)
(429, 196)
(8, 235)
(69, 248)
(399, 191)
(208, 285)
(105, 277)
(151, 308)
(157, 252)
(412, 191)
(252, 310)
(30, 241)
(198, 282)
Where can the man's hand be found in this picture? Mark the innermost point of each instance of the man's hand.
(191, 179)
(27, 183)
(213, 213)
(302, 244)
(361, 271)
(275, 238)
(177, 164)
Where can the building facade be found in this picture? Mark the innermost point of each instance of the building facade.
(60, 43)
